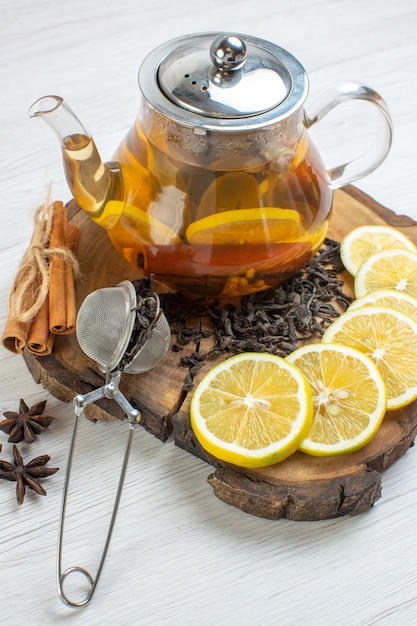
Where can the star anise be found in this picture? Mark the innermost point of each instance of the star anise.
(26, 474)
(26, 424)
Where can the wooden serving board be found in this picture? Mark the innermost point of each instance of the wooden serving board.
(300, 488)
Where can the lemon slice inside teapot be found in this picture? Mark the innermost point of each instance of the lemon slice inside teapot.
(245, 226)
(147, 228)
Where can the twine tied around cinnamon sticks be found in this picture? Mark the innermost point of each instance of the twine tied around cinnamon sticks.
(42, 297)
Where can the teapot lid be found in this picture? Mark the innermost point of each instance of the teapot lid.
(223, 81)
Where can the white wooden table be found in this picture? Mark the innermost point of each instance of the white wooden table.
(179, 555)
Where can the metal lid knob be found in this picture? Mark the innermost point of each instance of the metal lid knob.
(228, 53)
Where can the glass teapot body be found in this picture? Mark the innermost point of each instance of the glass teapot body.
(217, 189)
(221, 213)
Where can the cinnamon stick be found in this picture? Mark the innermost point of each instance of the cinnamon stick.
(16, 332)
(15, 335)
(57, 313)
(73, 239)
(40, 340)
(62, 308)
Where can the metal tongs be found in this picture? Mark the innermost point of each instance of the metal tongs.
(113, 331)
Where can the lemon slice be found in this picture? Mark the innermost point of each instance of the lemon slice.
(388, 269)
(364, 241)
(252, 410)
(233, 190)
(245, 226)
(390, 339)
(141, 225)
(390, 298)
(349, 398)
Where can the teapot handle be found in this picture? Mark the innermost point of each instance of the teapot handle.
(368, 161)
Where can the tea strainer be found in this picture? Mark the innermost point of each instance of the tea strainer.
(123, 329)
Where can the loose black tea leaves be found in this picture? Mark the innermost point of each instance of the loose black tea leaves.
(146, 317)
(276, 321)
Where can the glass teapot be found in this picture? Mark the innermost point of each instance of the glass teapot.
(217, 189)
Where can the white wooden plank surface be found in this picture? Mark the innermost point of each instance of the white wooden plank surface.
(179, 555)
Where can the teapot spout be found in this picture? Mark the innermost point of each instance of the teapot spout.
(92, 182)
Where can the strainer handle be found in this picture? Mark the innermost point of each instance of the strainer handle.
(109, 390)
